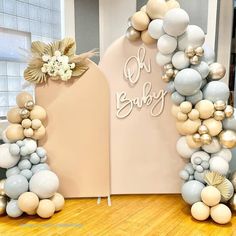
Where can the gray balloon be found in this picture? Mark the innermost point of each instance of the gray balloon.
(34, 158)
(27, 174)
(188, 82)
(177, 98)
(13, 210)
(199, 176)
(14, 149)
(12, 171)
(24, 164)
(204, 82)
(215, 91)
(39, 167)
(194, 99)
(170, 87)
(15, 185)
(230, 123)
(191, 191)
(184, 175)
(41, 152)
(202, 68)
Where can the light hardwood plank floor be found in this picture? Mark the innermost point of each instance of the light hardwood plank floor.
(132, 215)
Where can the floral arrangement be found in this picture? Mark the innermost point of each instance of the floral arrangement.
(56, 61)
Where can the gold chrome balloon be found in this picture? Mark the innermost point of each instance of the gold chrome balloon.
(219, 105)
(217, 71)
(3, 204)
(29, 105)
(232, 203)
(228, 138)
(2, 192)
(229, 111)
(165, 78)
(219, 115)
(168, 66)
(194, 60)
(197, 138)
(206, 139)
(24, 113)
(202, 129)
(189, 52)
(132, 34)
(199, 51)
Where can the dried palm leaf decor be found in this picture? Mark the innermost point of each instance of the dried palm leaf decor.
(56, 61)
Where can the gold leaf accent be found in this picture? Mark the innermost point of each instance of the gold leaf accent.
(226, 189)
(79, 70)
(35, 75)
(38, 47)
(68, 47)
(213, 178)
(83, 56)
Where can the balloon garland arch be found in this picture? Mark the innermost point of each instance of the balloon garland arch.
(205, 121)
(31, 186)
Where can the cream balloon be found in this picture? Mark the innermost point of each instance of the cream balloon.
(156, 9)
(22, 98)
(188, 127)
(13, 115)
(46, 208)
(210, 196)
(214, 126)
(14, 132)
(146, 37)
(200, 211)
(28, 202)
(58, 201)
(221, 214)
(38, 112)
(140, 20)
(205, 108)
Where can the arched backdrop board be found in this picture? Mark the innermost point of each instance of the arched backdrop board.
(77, 139)
(143, 155)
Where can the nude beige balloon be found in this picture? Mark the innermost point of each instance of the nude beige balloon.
(146, 38)
(186, 107)
(59, 201)
(156, 9)
(39, 133)
(26, 123)
(171, 4)
(205, 108)
(38, 112)
(200, 211)
(174, 110)
(22, 98)
(214, 126)
(192, 143)
(28, 202)
(15, 132)
(46, 208)
(28, 132)
(140, 20)
(188, 127)
(13, 115)
(194, 114)
(221, 214)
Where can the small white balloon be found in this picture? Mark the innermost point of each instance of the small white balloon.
(193, 37)
(175, 22)
(166, 44)
(224, 153)
(202, 68)
(219, 165)
(213, 147)
(7, 160)
(180, 60)
(155, 28)
(183, 148)
(162, 59)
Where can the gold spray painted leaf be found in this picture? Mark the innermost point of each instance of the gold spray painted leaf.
(35, 75)
(38, 47)
(79, 70)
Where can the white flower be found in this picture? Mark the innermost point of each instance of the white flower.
(57, 53)
(46, 57)
(72, 65)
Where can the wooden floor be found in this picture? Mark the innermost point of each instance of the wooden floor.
(128, 216)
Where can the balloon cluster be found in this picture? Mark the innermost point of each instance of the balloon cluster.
(30, 187)
(141, 23)
(205, 121)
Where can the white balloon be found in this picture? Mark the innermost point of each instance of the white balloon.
(202, 68)
(175, 22)
(213, 147)
(183, 149)
(162, 59)
(201, 154)
(194, 37)
(209, 54)
(30, 144)
(219, 165)
(166, 44)
(6, 159)
(180, 60)
(4, 137)
(224, 153)
(44, 183)
(155, 28)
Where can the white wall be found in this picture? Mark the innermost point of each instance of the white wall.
(113, 16)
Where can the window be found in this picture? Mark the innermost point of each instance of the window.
(21, 22)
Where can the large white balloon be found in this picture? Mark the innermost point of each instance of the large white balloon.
(188, 82)
(162, 59)
(213, 147)
(194, 37)
(219, 165)
(155, 28)
(224, 153)
(166, 44)
(44, 183)
(7, 160)
(180, 60)
(183, 149)
(215, 91)
(175, 22)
